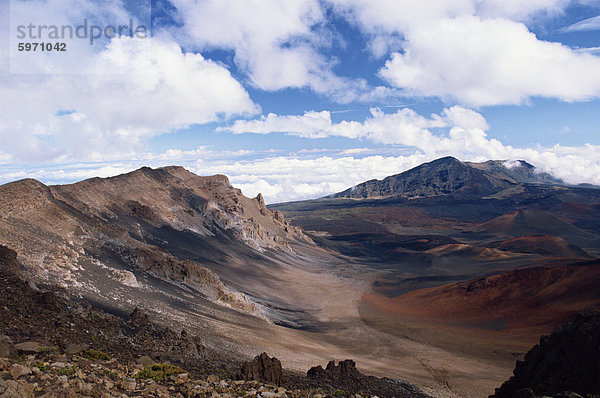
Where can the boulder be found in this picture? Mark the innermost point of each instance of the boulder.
(567, 360)
(138, 319)
(28, 347)
(73, 349)
(7, 348)
(19, 370)
(264, 368)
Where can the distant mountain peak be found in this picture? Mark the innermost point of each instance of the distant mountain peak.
(450, 176)
(445, 159)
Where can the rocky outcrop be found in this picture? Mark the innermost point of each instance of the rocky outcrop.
(346, 377)
(8, 260)
(7, 348)
(345, 370)
(567, 360)
(264, 368)
(35, 322)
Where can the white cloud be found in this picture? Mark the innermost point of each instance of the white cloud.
(356, 151)
(489, 62)
(520, 10)
(589, 50)
(459, 132)
(297, 177)
(382, 18)
(136, 89)
(589, 24)
(311, 124)
(473, 52)
(405, 127)
(276, 43)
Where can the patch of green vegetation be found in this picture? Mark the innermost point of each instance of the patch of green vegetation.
(40, 366)
(95, 355)
(66, 371)
(159, 371)
(112, 375)
(49, 350)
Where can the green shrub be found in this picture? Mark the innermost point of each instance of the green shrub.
(40, 366)
(159, 371)
(50, 350)
(67, 371)
(95, 355)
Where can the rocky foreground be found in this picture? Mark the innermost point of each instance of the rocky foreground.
(92, 373)
(53, 346)
(564, 364)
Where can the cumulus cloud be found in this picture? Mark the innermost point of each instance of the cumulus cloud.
(488, 62)
(135, 89)
(285, 178)
(276, 43)
(405, 127)
(474, 52)
(456, 131)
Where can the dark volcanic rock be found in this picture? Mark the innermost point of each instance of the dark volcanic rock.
(264, 368)
(34, 319)
(138, 319)
(345, 370)
(8, 260)
(346, 377)
(447, 176)
(567, 360)
(7, 348)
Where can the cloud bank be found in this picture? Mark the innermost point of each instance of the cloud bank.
(136, 89)
(456, 131)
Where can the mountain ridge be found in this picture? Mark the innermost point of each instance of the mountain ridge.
(105, 229)
(449, 176)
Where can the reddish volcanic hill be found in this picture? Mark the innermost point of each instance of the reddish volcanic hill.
(536, 222)
(468, 251)
(518, 299)
(544, 245)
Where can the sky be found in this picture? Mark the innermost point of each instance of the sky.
(297, 99)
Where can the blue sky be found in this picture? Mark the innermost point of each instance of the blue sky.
(299, 99)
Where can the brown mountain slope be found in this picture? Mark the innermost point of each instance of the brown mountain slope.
(182, 200)
(529, 222)
(543, 245)
(519, 299)
(100, 235)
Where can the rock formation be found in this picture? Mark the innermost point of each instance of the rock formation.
(566, 360)
(264, 368)
(346, 377)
